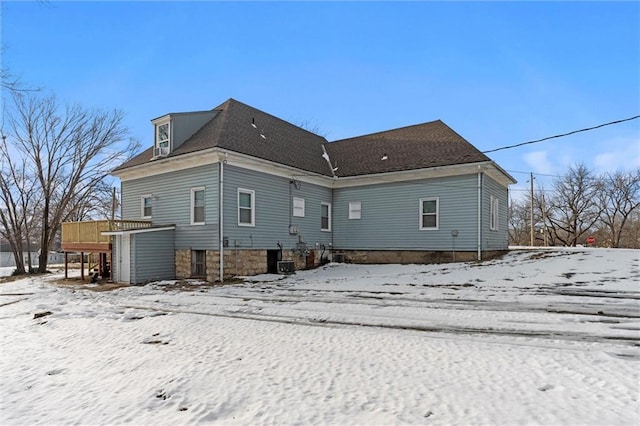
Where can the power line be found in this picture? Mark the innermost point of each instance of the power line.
(563, 134)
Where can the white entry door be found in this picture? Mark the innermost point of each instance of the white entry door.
(124, 262)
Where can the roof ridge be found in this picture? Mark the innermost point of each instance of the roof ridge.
(390, 130)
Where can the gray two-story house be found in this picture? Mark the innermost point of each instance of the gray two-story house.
(234, 190)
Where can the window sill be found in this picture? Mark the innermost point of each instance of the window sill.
(248, 225)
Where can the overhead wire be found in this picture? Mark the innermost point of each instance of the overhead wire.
(563, 134)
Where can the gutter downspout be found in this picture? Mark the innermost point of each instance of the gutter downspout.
(221, 218)
(480, 215)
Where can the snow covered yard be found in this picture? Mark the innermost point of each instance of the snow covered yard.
(538, 337)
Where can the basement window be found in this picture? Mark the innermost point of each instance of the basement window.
(198, 263)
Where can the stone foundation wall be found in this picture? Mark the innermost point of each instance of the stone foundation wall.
(419, 257)
(254, 262)
(183, 264)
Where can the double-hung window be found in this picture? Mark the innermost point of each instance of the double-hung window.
(162, 135)
(355, 210)
(298, 207)
(246, 207)
(429, 213)
(146, 206)
(197, 206)
(495, 203)
(325, 216)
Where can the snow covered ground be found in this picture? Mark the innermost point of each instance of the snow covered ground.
(538, 337)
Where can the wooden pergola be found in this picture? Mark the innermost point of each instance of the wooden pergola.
(86, 237)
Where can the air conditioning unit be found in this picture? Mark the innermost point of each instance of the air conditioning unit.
(162, 151)
(286, 267)
(338, 257)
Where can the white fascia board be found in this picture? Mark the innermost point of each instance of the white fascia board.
(276, 169)
(219, 155)
(429, 173)
(139, 231)
(500, 175)
(169, 164)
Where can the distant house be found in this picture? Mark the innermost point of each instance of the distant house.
(234, 191)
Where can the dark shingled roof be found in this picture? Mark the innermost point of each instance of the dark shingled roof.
(420, 146)
(414, 147)
(231, 129)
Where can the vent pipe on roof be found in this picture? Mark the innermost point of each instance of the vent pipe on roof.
(325, 155)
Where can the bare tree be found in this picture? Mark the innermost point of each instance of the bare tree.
(619, 197)
(12, 210)
(519, 218)
(68, 151)
(572, 209)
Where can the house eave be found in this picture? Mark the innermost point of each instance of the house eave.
(489, 167)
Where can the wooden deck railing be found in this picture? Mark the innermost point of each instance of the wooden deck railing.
(91, 231)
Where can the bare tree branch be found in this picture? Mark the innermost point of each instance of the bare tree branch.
(68, 152)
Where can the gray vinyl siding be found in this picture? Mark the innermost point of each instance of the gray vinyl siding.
(152, 256)
(391, 214)
(498, 239)
(172, 204)
(273, 211)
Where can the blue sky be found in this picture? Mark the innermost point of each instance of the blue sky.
(497, 73)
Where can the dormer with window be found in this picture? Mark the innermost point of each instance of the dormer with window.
(171, 130)
(163, 138)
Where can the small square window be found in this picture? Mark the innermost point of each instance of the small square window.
(355, 210)
(298, 207)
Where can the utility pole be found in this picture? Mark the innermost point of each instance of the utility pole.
(531, 181)
(544, 220)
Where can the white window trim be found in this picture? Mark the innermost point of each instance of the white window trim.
(299, 208)
(422, 200)
(142, 198)
(355, 213)
(168, 140)
(193, 205)
(329, 210)
(494, 218)
(252, 193)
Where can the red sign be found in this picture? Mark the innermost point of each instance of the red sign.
(591, 239)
